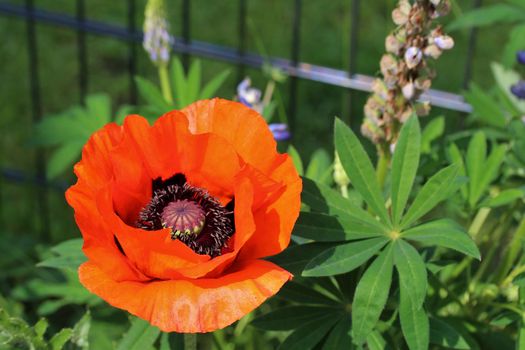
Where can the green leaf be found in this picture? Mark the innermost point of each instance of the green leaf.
(41, 327)
(70, 255)
(319, 162)
(213, 85)
(404, 166)
(80, 336)
(514, 44)
(60, 339)
(296, 158)
(412, 272)
(505, 79)
(98, 107)
(141, 335)
(194, 82)
(357, 165)
(503, 198)
(375, 341)
(432, 131)
(295, 258)
(476, 153)
(323, 199)
(456, 158)
(304, 294)
(488, 15)
(486, 108)
(344, 258)
(444, 233)
(437, 188)
(151, 93)
(445, 335)
(178, 81)
(414, 322)
(371, 295)
(292, 317)
(491, 168)
(339, 338)
(62, 158)
(310, 334)
(326, 228)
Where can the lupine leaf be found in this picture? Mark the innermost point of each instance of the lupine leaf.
(295, 258)
(414, 321)
(412, 272)
(213, 85)
(491, 168)
(437, 188)
(432, 131)
(193, 82)
(178, 82)
(446, 335)
(444, 233)
(310, 334)
(303, 294)
(326, 228)
(371, 295)
(296, 158)
(357, 165)
(141, 335)
(404, 166)
(339, 338)
(488, 15)
(344, 258)
(151, 93)
(504, 197)
(319, 162)
(58, 341)
(485, 107)
(292, 317)
(375, 341)
(475, 161)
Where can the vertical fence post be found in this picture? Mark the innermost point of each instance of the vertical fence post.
(241, 49)
(81, 50)
(296, 37)
(472, 38)
(352, 63)
(132, 52)
(186, 38)
(34, 83)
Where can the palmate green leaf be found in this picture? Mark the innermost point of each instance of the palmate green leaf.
(304, 294)
(488, 15)
(344, 258)
(404, 166)
(414, 321)
(444, 233)
(491, 169)
(457, 158)
(357, 165)
(475, 161)
(412, 272)
(98, 107)
(445, 335)
(326, 228)
(141, 335)
(432, 131)
(70, 255)
(514, 43)
(310, 334)
(214, 84)
(319, 165)
(486, 108)
(295, 258)
(58, 341)
(80, 335)
(371, 295)
(504, 197)
(62, 158)
(179, 83)
(296, 158)
(151, 94)
(339, 338)
(437, 188)
(292, 317)
(375, 341)
(194, 82)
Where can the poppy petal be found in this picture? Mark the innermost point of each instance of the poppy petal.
(190, 306)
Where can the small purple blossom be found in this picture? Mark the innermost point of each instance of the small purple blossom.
(248, 95)
(280, 131)
(520, 56)
(157, 40)
(519, 90)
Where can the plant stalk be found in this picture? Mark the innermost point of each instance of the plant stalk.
(165, 83)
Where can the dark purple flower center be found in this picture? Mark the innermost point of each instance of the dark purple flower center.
(193, 216)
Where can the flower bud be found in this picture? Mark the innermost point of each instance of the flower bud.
(408, 90)
(392, 44)
(444, 42)
(520, 56)
(157, 40)
(340, 176)
(519, 90)
(413, 56)
(433, 51)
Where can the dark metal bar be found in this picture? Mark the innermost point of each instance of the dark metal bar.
(330, 76)
(186, 31)
(471, 48)
(34, 83)
(132, 53)
(241, 49)
(82, 52)
(296, 38)
(354, 38)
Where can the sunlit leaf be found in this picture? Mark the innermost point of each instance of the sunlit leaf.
(141, 335)
(414, 321)
(151, 94)
(475, 161)
(310, 334)
(404, 166)
(292, 317)
(295, 258)
(412, 272)
(445, 335)
(344, 258)
(357, 165)
(371, 295)
(431, 132)
(296, 158)
(504, 197)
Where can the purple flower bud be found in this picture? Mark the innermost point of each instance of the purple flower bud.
(280, 131)
(519, 90)
(520, 56)
(248, 95)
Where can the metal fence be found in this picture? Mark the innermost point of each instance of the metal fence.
(348, 79)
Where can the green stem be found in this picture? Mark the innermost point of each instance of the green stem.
(190, 341)
(165, 83)
(478, 222)
(514, 248)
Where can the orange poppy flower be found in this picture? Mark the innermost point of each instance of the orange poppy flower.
(177, 216)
